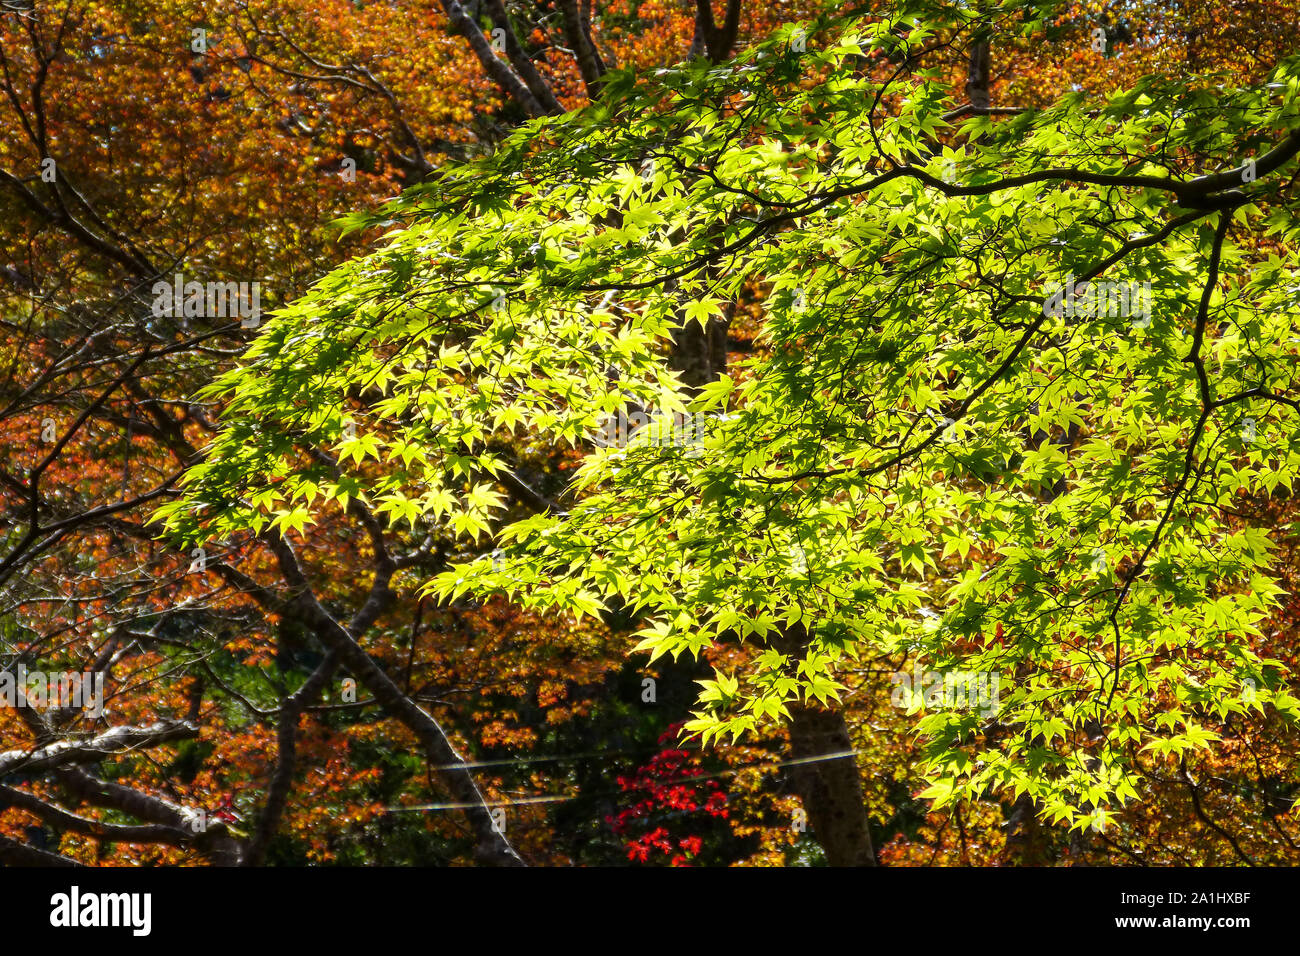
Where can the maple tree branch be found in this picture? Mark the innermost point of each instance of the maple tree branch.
(496, 68)
(996, 376)
(520, 60)
(211, 839)
(346, 74)
(492, 848)
(577, 29)
(135, 264)
(286, 759)
(1195, 790)
(115, 740)
(1197, 361)
(116, 832)
(13, 853)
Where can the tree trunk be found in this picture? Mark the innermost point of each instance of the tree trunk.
(1028, 843)
(830, 789)
(977, 74)
(699, 354)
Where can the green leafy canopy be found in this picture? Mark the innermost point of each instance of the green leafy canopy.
(919, 463)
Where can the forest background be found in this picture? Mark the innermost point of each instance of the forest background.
(221, 142)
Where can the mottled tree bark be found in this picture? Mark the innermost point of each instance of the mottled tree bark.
(830, 788)
(717, 40)
(977, 75)
(700, 354)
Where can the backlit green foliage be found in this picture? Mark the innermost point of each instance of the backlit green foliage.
(921, 459)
